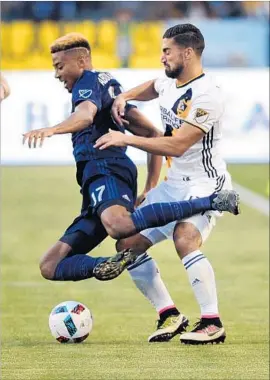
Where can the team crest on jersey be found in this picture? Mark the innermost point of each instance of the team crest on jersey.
(201, 116)
(181, 107)
(85, 93)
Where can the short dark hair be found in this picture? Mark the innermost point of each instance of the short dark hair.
(186, 35)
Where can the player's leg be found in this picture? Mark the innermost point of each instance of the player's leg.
(67, 259)
(146, 276)
(120, 224)
(112, 192)
(113, 206)
(188, 237)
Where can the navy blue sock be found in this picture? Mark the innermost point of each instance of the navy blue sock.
(76, 268)
(159, 214)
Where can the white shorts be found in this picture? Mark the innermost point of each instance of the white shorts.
(184, 190)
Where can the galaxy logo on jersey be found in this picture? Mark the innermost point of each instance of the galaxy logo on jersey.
(182, 106)
(85, 93)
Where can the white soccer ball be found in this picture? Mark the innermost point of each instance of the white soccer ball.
(70, 322)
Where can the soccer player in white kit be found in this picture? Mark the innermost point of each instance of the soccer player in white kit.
(191, 109)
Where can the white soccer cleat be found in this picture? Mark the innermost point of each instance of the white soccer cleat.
(166, 330)
(204, 332)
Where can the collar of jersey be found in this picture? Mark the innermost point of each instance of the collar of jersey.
(93, 71)
(191, 80)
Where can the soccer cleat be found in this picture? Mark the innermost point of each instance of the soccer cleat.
(166, 330)
(114, 266)
(205, 331)
(227, 200)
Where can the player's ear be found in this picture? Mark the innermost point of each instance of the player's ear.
(81, 60)
(188, 53)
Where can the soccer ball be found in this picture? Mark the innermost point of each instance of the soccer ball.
(70, 322)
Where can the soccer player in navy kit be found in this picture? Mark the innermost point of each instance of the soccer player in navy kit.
(107, 177)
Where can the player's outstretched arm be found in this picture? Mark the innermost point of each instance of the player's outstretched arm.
(174, 146)
(139, 125)
(80, 119)
(4, 89)
(143, 92)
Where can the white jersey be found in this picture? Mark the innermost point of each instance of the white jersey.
(198, 102)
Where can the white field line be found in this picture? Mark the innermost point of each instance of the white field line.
(251, 199)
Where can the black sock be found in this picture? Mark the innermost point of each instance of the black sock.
(168, 313)
(212, 321)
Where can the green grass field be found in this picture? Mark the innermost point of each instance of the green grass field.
(255, 177)
(37, 204)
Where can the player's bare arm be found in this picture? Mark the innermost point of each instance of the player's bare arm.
(139, 125)
(143, 92)
(80, 119)
(174, 146)
(154, 164)
(4, 88)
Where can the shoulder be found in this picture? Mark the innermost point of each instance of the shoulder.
(207, 97)
(103, 79)
(207, 85)
(207, 89)
(89, 75)
(163, 83)
(87, 88)
(86, 85)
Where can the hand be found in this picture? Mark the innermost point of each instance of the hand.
(2, 93)
(140, 199)
(118, 110)
(113, 138)
(37, 134)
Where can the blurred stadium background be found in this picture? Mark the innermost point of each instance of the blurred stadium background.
(117, 31)
(39, 202)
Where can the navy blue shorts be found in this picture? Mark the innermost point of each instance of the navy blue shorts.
(103, 183)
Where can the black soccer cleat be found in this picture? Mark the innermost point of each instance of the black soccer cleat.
(205, 331)
(114, 266)
(227, 200)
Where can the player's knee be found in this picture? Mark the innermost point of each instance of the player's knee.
(46, 269)
(114, 232)
(184, 246)
(138, 243)
(186, 239)
(115, 226)
(122, 244)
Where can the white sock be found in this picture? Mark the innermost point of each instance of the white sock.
(145, 274)
(202, 280)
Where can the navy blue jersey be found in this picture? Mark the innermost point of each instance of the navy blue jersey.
(100, 88)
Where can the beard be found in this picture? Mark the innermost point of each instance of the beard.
(174, 73)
